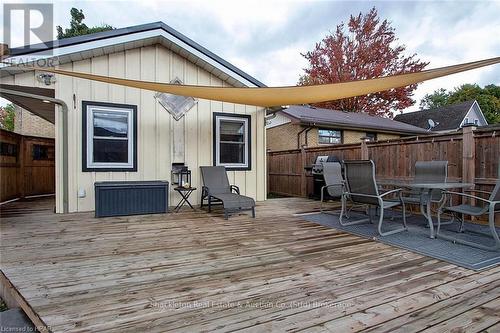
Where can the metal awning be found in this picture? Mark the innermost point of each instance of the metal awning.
(35, 106)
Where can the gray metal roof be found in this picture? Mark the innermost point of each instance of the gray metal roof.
(448, 117)
(131, 30)
(355, 120)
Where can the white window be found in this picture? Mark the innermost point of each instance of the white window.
(328, 136)
(476, 122)
(466, 121)
(232, 141)
(109, 137)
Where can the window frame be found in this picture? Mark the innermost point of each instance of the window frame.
(88, 109)
(330, 129)
(35, 152)
(9, 149)
(247, 119)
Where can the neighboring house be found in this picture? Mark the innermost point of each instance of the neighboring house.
(298, 126)
(446, 118)
(27, 123)
(119, 133)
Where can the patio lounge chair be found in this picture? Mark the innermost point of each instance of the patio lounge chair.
(216, 189)
(334, 183)
(363, 189)
(490, 206)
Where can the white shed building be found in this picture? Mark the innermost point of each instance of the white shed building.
(119, 133)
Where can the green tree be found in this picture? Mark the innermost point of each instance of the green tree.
(7, 117)
(435, 100)
(78, 28)
(488, 99)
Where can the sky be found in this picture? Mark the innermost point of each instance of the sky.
(266, 38)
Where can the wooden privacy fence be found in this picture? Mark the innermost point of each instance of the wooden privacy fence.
(27, 165)
(472, 155)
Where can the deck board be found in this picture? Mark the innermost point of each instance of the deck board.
(196, 272)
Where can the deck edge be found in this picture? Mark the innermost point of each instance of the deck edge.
(12, 297)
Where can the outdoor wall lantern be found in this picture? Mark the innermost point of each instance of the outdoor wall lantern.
(181, 175)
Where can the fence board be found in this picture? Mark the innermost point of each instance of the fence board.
(26, 172)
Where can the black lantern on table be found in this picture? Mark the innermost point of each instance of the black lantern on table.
(181, 175)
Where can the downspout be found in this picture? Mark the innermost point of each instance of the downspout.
(298, 137)
(306, 129)
(64, 114)
(307, 132)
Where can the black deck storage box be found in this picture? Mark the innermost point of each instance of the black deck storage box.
(130, 198)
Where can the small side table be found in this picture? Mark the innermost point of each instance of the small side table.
(185, 192)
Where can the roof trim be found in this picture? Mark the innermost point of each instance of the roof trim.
(157, 29)
(480, 111)
(356, 126)
(360, 127)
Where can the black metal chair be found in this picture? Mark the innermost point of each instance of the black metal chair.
(362, 189)
(216, 189)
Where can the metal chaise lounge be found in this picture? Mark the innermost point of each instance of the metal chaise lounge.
(363, 189)
(490, 206)
(216, 189)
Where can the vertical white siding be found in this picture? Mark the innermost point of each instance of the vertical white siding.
(473, 114)
(82, 89)
(157, 131)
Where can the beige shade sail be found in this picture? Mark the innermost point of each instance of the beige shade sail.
(276, 96)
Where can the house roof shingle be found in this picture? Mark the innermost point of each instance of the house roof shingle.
(354, 120)
(448, 117)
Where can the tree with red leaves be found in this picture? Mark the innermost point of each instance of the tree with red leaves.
(365, 50)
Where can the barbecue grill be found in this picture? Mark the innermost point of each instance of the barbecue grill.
(317, 173)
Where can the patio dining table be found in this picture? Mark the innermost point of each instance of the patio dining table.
(425, 195)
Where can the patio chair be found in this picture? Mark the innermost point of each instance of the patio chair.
(216, 189)
(427, 172)
(363, 189)
(334, 183)
(490, 206)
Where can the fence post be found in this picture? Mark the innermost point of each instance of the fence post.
(364, 149)
(303, 178)
(468, 154)
(22, 167)
(468, 159)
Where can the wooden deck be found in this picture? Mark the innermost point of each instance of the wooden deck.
(196, 272)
